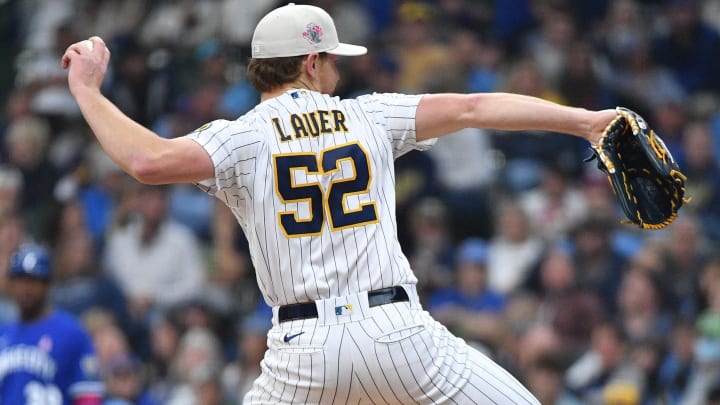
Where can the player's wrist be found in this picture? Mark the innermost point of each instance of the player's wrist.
(81, 89)
(84, 92)
(598, 121)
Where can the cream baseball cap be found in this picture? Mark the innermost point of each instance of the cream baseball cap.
(295, 30)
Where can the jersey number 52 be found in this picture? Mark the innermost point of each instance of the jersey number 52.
(331, 201)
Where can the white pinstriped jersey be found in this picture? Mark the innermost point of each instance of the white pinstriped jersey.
(310, 179)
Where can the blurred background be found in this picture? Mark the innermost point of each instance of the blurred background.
(516, 241)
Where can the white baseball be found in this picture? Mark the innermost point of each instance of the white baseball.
(89, 44)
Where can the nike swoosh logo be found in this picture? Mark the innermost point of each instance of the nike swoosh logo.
(289, 337)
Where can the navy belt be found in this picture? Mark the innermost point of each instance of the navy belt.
(307, 310)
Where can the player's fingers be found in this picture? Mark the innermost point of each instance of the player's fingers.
(106, 56)
(78, 48)
(97, 44)
(97, 40)
(93, 44)
(67, 57)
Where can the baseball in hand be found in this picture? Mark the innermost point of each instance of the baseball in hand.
(89, 44)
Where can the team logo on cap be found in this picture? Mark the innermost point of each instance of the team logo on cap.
(313, 33)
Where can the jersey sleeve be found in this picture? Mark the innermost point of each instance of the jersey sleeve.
(85, 387)
(396, 113)
(228, 145)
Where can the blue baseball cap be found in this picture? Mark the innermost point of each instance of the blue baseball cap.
(30, 260)
(472, 250)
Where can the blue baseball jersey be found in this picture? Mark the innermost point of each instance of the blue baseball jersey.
(50, 361)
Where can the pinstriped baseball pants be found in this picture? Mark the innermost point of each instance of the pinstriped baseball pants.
(390, 354)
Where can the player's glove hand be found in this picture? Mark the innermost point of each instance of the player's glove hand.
(645, 178)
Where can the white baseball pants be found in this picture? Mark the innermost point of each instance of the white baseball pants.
(390, 354)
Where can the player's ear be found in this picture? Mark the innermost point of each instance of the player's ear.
(311, 67)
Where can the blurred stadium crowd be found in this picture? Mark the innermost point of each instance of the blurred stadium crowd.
(516, 240)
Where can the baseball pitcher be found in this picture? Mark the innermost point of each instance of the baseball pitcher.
(310, 179)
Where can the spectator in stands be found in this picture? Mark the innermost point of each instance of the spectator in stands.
(513, 250)
(80, 283)
(238, 19)
(40, 73)
(702, 168)
(471, 308)
(706, 360)
(99, 194)
(109, 339)
(532, 344)
(677, 365)
(640, 307)
(603, 365)
(485, 73)
(12, 235)
(572, 311)
(710, 281)
(471, 15)
(581, 81)
(165, 333)
(556, 207)
(196, 370)
(420, 53)
(137, 87)
(26, 142)
(646, 355)
(231, 286)
(17, 105)
(153, 241)
(11, 185)
(183, 25)
(191, 208)
(689, 47)
(621, 31)
(124, 382)
(684, 252)
(669, 118)
(431, 251)
(415, 179)
(620, 393)
(600, 266)
(637, 81)
(239, 375)
(550, 45)
(110, 19)
(545, 380)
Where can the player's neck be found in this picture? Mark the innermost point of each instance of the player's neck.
(29, 315)
(301, 83)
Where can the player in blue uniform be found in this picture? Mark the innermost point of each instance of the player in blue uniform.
(46, 357)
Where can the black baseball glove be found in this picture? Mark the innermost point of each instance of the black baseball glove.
(641, 171)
